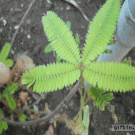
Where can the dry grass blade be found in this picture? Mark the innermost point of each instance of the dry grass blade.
(78, 7)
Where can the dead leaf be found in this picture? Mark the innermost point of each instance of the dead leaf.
(50, 131)
(24, 63)
(24, 97)
(34, 117)
(5, 103)
(47, 108)
(115, 119)
(54, 123)
(19, 104)
(5, 74)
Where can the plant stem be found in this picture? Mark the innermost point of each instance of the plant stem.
(88, 99)
(85, 93)
(82, 99)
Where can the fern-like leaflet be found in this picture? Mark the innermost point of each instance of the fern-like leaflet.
(7, 93)
(61, 38)
(51, 77)
(110, 76)
(11, 101)
(22, 117)
(4, 54)
(100, 100)
(3, 124)
(101, 30)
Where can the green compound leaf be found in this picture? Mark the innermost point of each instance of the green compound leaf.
(99, 99)
(58, 59)
(61, 38)
(9, 84)
(5, 125)
(110, 76)
(22, 118)
(101, 30)
(128, 62)
(48, 48)
(12, 87)
(11, 101)
(107, 51)
(51, 77)
(69, 24)
(1, 112)
(5, 51)
(0, 97)
(1, 126)
(4, 54)
(8, 62)
(77, 39)
(86, 118)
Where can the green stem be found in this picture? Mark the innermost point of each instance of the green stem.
(88, 99)
(85, 93)
(82, 99)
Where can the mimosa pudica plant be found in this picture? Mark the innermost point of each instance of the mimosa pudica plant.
(108, 76)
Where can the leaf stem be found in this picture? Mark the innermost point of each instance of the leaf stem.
(82, 99)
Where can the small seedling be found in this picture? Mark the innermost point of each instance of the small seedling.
(7, 93)
(22, 117)
(3, 124)
(100, 98)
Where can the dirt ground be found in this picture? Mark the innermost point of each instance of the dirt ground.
(31, 38)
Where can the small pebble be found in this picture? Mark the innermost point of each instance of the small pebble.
(28, 21)
(12, 52)
(11, 9)
(16, 27)
(82, 26)
(1, 30)
(21, 5)
(49, 1)
(132, 112)
(17, 10)
(71, 103)
(68, 8)
(28, 36)
(4, 21)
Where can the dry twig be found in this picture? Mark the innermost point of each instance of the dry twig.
(22, 21)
